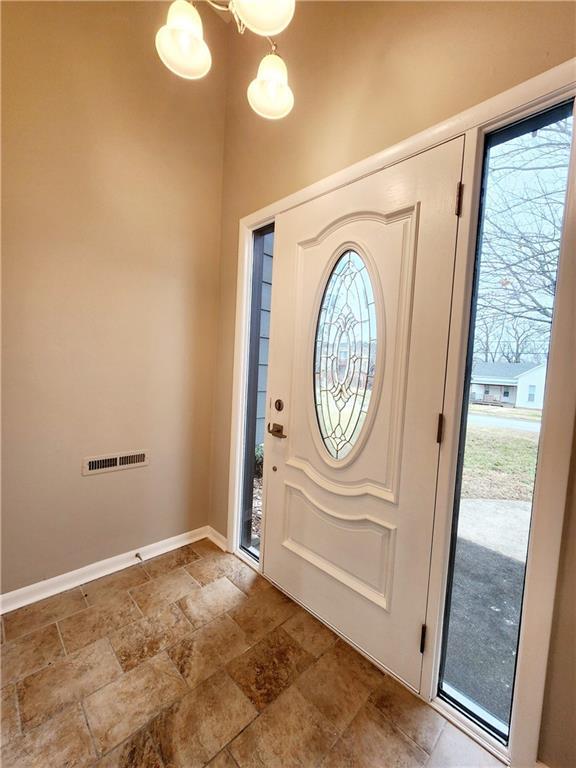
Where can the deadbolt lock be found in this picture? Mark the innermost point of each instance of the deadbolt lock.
(279, 405)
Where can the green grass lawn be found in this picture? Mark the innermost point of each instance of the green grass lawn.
(499, 464)
(527, 414)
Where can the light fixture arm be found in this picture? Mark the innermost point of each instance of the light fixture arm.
(227, 6)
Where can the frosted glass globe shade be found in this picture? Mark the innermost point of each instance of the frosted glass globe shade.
(183, 15)
(269, 94)
(180, 42)
(265, 17)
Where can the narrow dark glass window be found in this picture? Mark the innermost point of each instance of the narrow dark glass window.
(521, 216)
(256, 390)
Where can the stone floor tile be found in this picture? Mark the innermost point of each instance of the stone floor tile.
(270, 667)
(312, 635)
(42, 694)
(124, 706)
(211, 601)
(210, 568)
(208, 649)
(166, 589)
(456, 750)
(223, 760)
(146, 637)
(24, 620)
(31, 652)
(223, 564)
(408, 713)
(348, 657)
(137, 752)
(372, 741)
(194, 729)
(291, 733)
(247, 579)
(339, 683)
(107, 587)
(205, 548)
(97, 621)
(9, 720)
(157, 566)
(209, 623)
(61, 742)
(263, 612)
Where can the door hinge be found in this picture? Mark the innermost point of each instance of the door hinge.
(422, 638)
(440, 428)
(459, 196)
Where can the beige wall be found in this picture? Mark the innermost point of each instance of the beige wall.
(115, 193)
(112, 171)
(366, 75)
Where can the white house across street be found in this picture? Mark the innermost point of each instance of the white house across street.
(520, 385)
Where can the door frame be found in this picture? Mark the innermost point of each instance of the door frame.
(550, 494)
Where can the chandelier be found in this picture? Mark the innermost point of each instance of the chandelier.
(181, 46)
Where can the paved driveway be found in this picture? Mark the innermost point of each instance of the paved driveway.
(484, 621)
(486, 601)
(502, 422)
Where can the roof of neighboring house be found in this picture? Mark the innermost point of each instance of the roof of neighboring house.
(500, 373)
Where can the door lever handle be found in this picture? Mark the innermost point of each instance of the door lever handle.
(277, 430)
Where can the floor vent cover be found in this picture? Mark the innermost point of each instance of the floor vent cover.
(112, 462)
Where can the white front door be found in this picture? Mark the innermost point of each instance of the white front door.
(360, 314)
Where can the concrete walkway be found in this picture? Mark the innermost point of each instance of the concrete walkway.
(501, 526)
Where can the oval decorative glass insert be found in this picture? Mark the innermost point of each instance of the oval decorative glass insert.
(345, 354)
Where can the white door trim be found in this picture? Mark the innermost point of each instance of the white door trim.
(543, 91)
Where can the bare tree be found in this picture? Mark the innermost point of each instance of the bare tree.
(524, 342)
(522, 225)
(488, 335)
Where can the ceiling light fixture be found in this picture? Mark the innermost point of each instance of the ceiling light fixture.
(181, 47)
(269, 94)
(180, 42)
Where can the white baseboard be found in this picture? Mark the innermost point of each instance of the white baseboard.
(217, 538)
(31, 594)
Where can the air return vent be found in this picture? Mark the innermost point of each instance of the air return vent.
(112, 462)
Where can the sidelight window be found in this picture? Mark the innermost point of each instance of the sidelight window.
(523, 196)
(256, 391)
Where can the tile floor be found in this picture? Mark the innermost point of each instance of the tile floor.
(192, 659)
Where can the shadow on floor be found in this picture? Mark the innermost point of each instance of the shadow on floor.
(484, 623)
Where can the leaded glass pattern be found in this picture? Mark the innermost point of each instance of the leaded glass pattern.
(345, 354)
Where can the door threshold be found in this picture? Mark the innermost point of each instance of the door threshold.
(250, 558)
(471, 729)
(475, 713)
